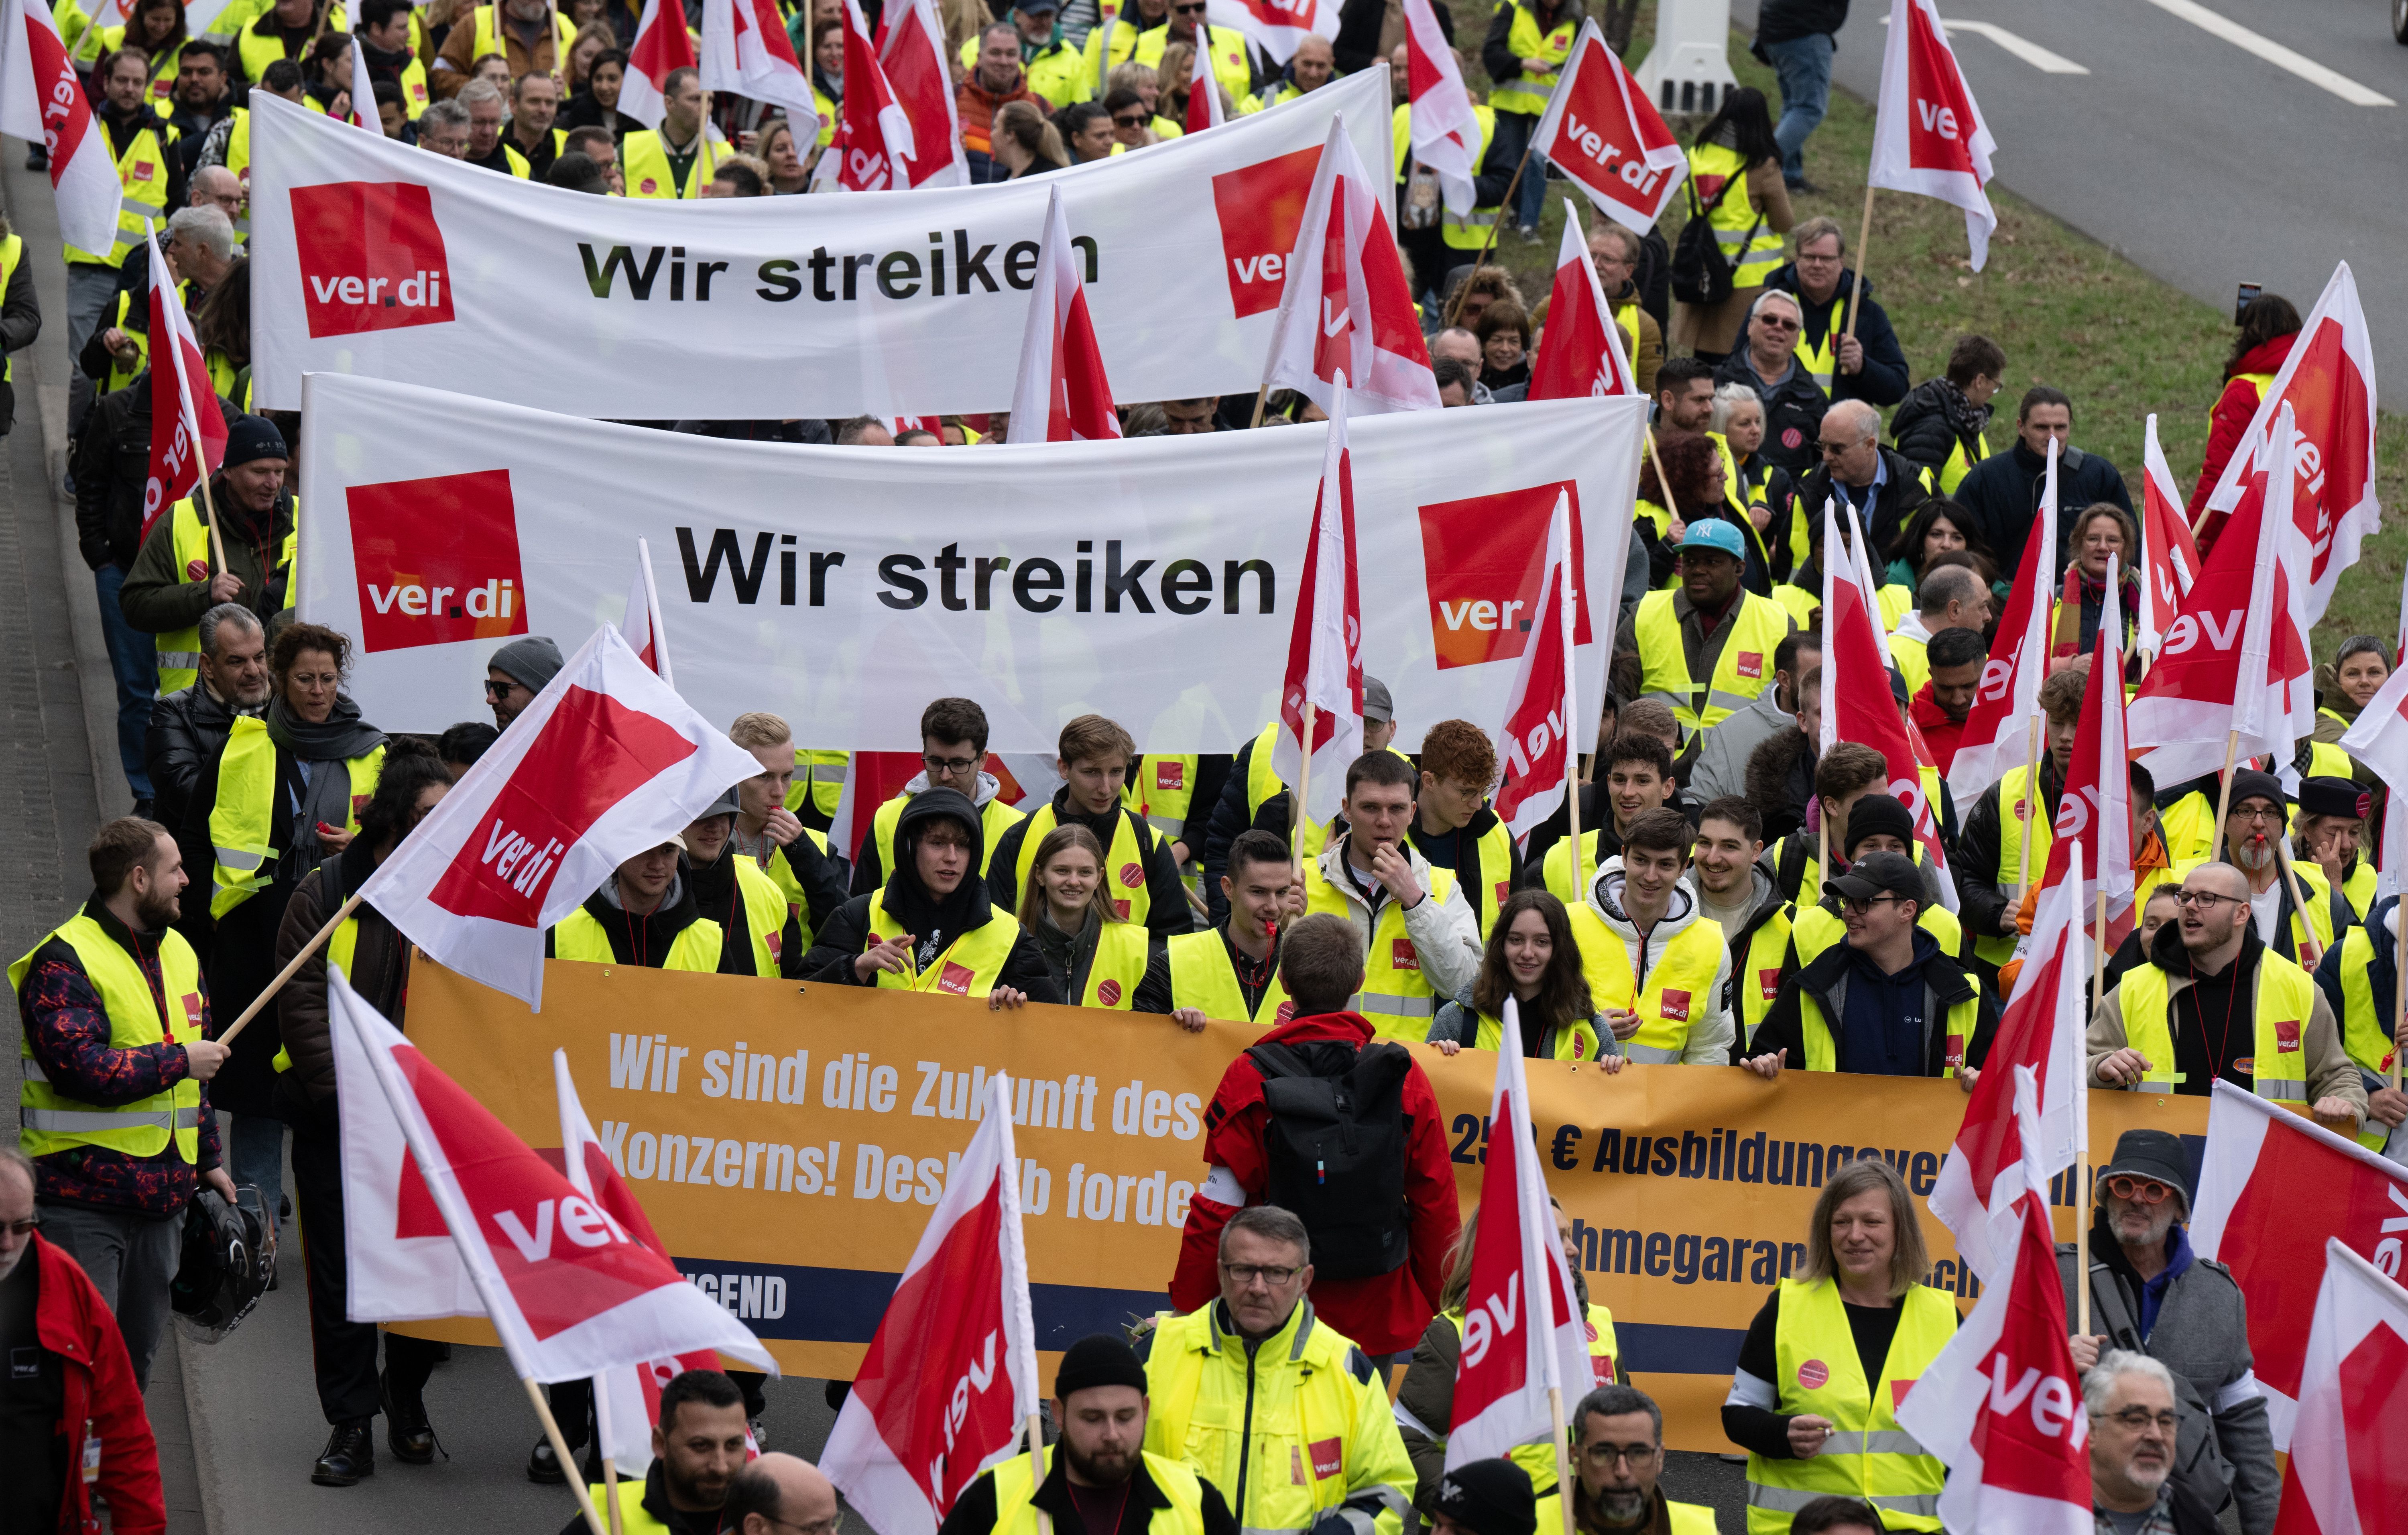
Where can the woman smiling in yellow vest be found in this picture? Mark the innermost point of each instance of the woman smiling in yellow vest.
(1655, 966)
(1532, 958)
(930, 927)
(1814, 1398)
(1096, 956)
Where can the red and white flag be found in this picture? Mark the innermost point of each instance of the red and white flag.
(746, 52)
(662, 45)
(1998, 728)
(2327, 384)
(1538, 746)
(2379, 740)
(2169, 558)
(2001, 1404)
(606, 763)
(643, 630)
(1582, 357)
(187, 443)
(1928, 136)
(1444, 127)
(1277, 26)
(1203, 90)
(2234, 659)
(2039, 1032)
(1347, 307)
(951, 1375)
(1062, 382)
(363, 106)
(2272, 1185)
(1325, 646)
(911, 50)
(1600, 130)
(569, 1288)
(2348, 1469)
(874, 136)
(1524, 1334)
(42, 101)
(2093, 810)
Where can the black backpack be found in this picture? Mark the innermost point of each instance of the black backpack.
(1701, 274)
(1337, 1147)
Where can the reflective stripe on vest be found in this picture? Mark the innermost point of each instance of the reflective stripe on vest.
(242, 822)
(1819, 358)
(178, 652)
(697, 949)
(1396, 997)
(2364, 1032)
(1752, 259)
(995, 819)
(53, 1121)
(819, 777)
(2285, 1003)
(1118, 966)
(1124, 870)
(1184, 1514)
(1679, 988)
(1525, 92)
(970, 964)
(142, 189)
(1742, 671)
(1868, 1456)
(1470, 231)
(1202, 978)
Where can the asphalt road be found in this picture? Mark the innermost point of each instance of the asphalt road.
(2204, 162)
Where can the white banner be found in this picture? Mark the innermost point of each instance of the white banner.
(372, 258)
(1152, 580)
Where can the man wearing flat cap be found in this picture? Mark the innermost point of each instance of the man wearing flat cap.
(2150, 1293)
(2256, 844)
(1098, 1479)
(176, 576)
(518, 672)
(2329, 835)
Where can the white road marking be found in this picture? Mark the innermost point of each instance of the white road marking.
(2023, 48)
(2273, 53)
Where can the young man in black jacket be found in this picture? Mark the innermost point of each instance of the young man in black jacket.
(2002, 493)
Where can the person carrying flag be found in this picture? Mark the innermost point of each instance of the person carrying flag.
(762, 933)
(176, 577)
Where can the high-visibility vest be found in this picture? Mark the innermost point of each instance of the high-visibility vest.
(488, 38)
(818, 779)
(12, 251)
(414, 95)
(1685, 1518)
(969, 966)
(1470, 231)
(1743, 670)
(259, 44)
(1119, 964)
(1801, 603)
(1494, 847)
(633, 1518)
(1526, 93)
(1396, 997)
(340, 950)
(1556, 868)
(646, 164)
(163, 65)
(1679, 989)
(995, 819)
(1816, 928)
(53, 1121)
(2314, 923)
(1753, 257)
(1109, 45)
(2286, 999)
(2326, 760)
(142, 189)
(1124, 871)
(2359, 889)
(1057, 72)
(1162, 790)
(1202, 978)
(781, 875)
(1868, 1456)
(238, 150)
(2258, 384)
(579, 935)
(242, 822)
(1821, 359)
(1913, 658)
(765, 910)
(1628, 318)
(1960, 463)
(1015, 1483)
(2018, 810)
(178, 652)
(1226, 45)
(2365, 1023)
(1756, 975)
(1823, 1046)
(1578, 1043)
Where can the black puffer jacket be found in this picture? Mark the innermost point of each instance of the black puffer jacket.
(1934, 418)
(1793, 412)
(187, 729)
(111, 464)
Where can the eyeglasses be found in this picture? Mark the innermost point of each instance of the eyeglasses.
(829, 1525)
(2138, 1418)
(2147, 1190)
(1858, 908)
(1830, 449)
(949, 765)
(1246, 1273)
(499, 690)
(1639, 1455)
(2255, 817)
(1135, 119)
(2205, 898)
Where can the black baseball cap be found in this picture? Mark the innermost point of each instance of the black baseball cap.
(1489, 1497)
(1880, 873)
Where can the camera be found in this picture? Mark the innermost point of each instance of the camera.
(2250, 290)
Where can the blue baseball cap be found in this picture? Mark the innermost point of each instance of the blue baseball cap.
(1715, 533)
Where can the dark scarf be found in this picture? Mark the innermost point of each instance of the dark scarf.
(935, 921)
(342, 735)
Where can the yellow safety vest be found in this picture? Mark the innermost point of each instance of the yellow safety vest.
(1913, 658)
(1556, 868)
(579, 935)
(1263, 785)
(1495, 852)
(995, 819)
(254, 50)
(339, 951)
(12, 251)
(2314, 923)
(53, 1121)
(164, 68)
(648, 172)
(2359, 888)
(2285, 1001)
(2017, 809)
(2258, 384)
(633, 1518)
(1958, 464)
(765, 910)
(1015, 1483)
(1538, 1460)
(1801, 603)
(1680, 984)
(1823, 1047)
(1753, 257)
(1162, 790)
(1109, 45)
(1470, 231)
(2188, 827)
(1743, 670)
(818, 779)
(1119, 964)
(827, 112)
(178, 652)
(1868, 1456)
(2365, 1030)
(1577, 1043)
(488, 39)
(1226, 45)
(241, 822)
(1123, 870)
(1816, 928)
(781, 875)
(1202, 978)
(1526, 94)
(238, 151)
(142, 190)
(1820, 359)
(1395, 996)
(969, 966)
(1058, 72)
(1756, 977)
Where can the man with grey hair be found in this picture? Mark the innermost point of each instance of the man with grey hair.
(443, 128)
(1765, 360)
(2166, 1310)
(199, 245)
(214, 186)
(2133, 1491)
(486, 107)
(1464, 347)
(1870, 484)
(1616, 253)
(188, 726)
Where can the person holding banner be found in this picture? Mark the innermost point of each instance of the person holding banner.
(1423, 939)
(1659, 971)
(1094, 757)
(795, 859)
(952, 750)
(1096, 957)
(1736, 893)
(1232, 970)
(1101, 1476)
(1533, 958)
(665, 161)
(181, 571)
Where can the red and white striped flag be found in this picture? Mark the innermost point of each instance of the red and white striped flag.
(42, 101)
(911, 50)
(662, 45)
(2169, 558)
(746, 52)
(1928, 136)
(1523, 1336)
(951, 1375)
(1442, 125)
(1606, 138)
(874, 136)
(1858, 705)
(2095, 808)
(2348, 1468)
(1275, 26)
(187, 443)
(1325, 646)
(1538, 747)
(1203, 90)
(643, 630)
(1347, 307)
(1998, 729)
(1062, 382)
(1582, 357)
(363, 106)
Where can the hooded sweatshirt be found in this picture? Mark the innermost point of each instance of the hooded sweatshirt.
(869, 871)
(645, 940)
(1710, 1030)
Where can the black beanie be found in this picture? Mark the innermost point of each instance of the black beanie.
(1875, 814)
(1099, 1360)
(253, 437)
(2249, 784)
(2340, 797)
(1489, 1497)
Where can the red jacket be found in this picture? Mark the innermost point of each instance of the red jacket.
(1382, 1315)
(1941, 733)
(2229, 419)
(101, 1402)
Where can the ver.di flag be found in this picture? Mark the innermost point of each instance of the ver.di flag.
(2094, 809)
(1275, 26)
(746, 52)
(1998, 728)
(643, 631)
(1928, 136)
(874, 136)
(1583, 352)
(2348, 1467)
(1203, 92)
(1443, 126)
(911, 50)
(363, 103)
(1538, 749)
(662, 45)
(177, 461)
(1322, 695)
(1606, 138)
(1062, 383)
(42, 101)
(2169, 558)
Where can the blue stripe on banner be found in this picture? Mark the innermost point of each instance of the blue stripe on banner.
(800, 1304)
(1661, 1349)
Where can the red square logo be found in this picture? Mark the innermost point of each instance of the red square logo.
(145, 169)
(2287, 1035)
(1121, 909)
(1750, 665)
(956, 979)
(1329, 1459)
(1898, 1390)
(1402, 955)
(1767, 981)
(1674, 1007)
(1484, 560)
(1169, 772)
(1261, 207)
(371, 257)
(437, 560)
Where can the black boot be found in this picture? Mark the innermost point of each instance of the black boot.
(407, 1432)
(544, 1467)
(349, 1455)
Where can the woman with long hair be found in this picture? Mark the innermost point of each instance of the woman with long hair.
(1691, 467)
(1095, 958)
(1735, 185)
(1939, 526)
(788, 162)
(1024, 143)
(597, 104)
(1533, 958)
(593, 39)
(224, 329)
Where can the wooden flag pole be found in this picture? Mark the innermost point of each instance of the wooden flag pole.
(602, 1431)
(1503, 207)
(1856, 290)
(2309, 953)
(1664, 484)
(2081, 1170)
(192, 420)
(1304, 783)
(1564, 1484)
(2024, 812)
(560, 1448)
(2216, 849)
(287, 972)
(1037, 1468)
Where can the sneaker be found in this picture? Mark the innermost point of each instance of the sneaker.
(1529, 233)
(543, 1466)
(348, 1456)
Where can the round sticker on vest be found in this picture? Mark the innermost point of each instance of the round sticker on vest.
(1813, 1374)
(648, 186)
(1286, 1011)
(2246, 1066)
(1791, 436)
(1132, 875)
(1108, 992)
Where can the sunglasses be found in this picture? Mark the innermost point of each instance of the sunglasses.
(1187, 10)
(1776, 321)
(498, 690)
(1134, 120)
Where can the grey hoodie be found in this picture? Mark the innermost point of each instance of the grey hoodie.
(1711, 1031)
